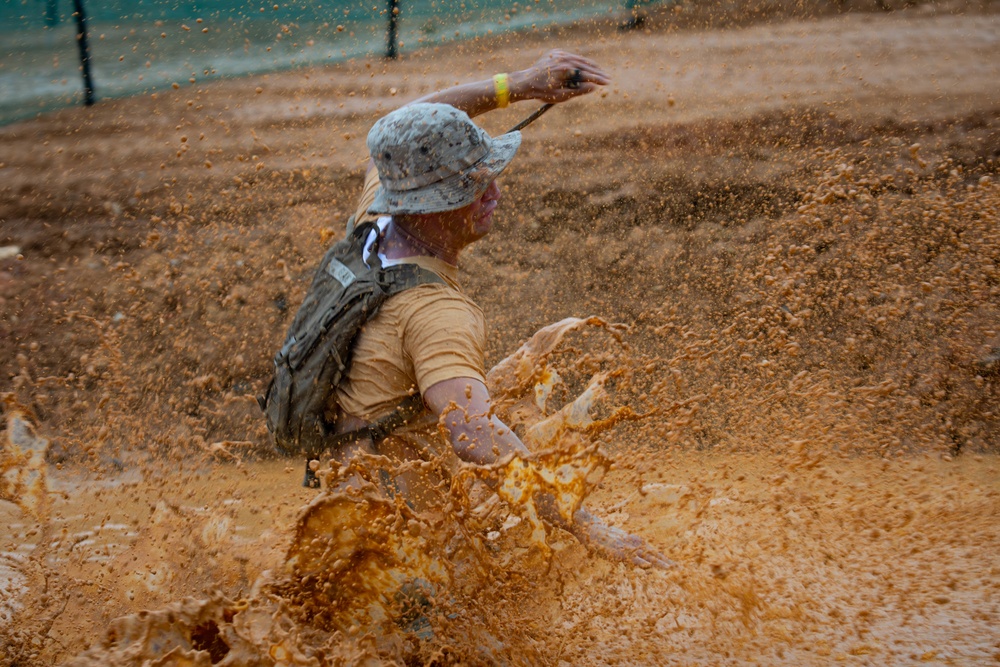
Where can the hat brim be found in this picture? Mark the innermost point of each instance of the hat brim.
(452, 192)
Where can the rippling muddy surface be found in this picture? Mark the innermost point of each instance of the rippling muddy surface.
(799, 408)
(802, 559)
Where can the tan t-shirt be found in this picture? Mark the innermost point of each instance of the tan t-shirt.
(418, 338)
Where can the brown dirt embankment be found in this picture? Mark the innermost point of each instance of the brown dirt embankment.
(757, 193)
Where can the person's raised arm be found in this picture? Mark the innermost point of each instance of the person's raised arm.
(556, 77)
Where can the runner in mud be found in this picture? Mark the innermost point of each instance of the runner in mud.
(431, 186)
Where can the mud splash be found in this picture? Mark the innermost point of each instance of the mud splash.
(808, 267)
(785, 558)
(367, 579)
(22, 463)
(770, 549)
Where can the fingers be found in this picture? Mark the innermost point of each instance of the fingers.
(561, 67)
(616, 544)
(658, 561)
(646, 558)
(559, 76)
(634, 549)
(594, 75)
(565, 76)
(589, 70)
(559, 58)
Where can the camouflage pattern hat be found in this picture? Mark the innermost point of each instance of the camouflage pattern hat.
(432, 158)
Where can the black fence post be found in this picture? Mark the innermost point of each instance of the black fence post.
(51, 14)
(84, 47)
(391, 50)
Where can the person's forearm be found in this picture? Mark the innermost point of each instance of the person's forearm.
(473, 98)
(477, 97)
(481, 440)
(555, 77)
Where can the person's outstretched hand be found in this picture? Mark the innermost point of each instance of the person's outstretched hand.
(615, 543)
(557, 77)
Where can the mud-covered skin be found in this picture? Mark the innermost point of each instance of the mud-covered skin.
(617, 544)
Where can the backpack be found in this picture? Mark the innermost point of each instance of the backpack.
(345, 293)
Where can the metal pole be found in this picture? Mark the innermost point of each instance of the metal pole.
(51, 15)
(84, 47)
(391, 50)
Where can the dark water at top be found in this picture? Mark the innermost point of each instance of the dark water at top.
(143, 45)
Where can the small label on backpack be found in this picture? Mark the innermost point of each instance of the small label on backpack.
(338, 270)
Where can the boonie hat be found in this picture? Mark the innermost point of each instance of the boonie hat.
(432, 158)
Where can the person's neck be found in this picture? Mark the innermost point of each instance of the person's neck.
(401, 242)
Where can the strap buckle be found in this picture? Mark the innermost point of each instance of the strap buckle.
(405, 412)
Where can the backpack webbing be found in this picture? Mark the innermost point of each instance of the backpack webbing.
(345, 293)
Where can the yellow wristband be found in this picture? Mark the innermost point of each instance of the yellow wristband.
(501, 85)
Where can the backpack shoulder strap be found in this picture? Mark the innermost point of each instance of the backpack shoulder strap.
(397, 277)
(401, 277)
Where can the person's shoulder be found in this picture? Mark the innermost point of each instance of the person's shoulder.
(431, 293)
(434, 301)
(438, 324)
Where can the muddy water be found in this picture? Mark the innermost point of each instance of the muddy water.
(859, 560)
(804, 560)
(793, 557)
(128, 540)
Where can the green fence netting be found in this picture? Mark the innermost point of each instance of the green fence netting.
(142, 45)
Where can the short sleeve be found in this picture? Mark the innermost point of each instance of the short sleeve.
(367, 198)
(444, 336)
